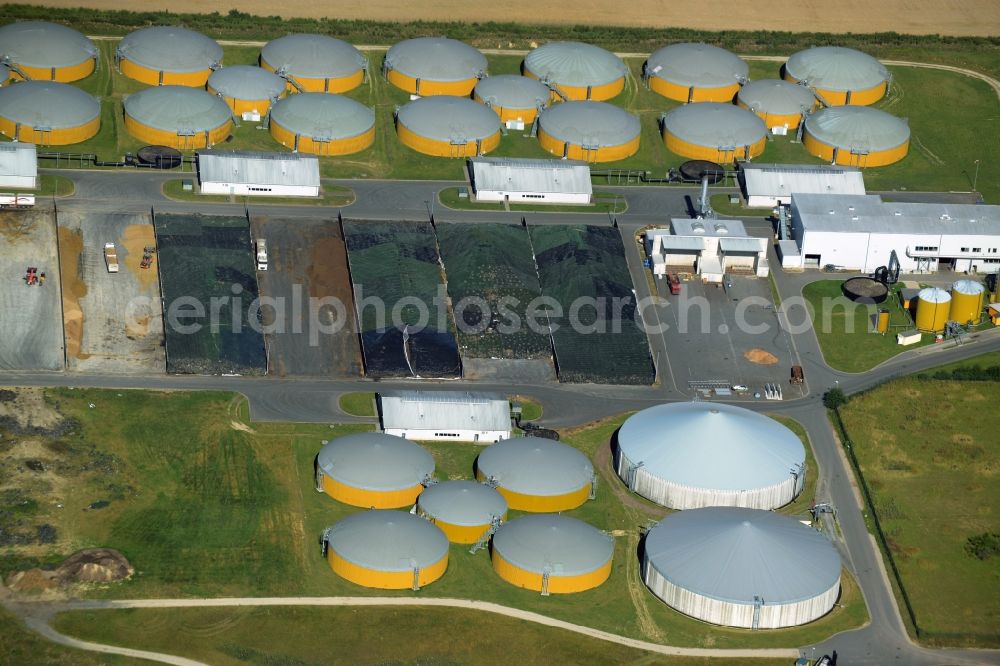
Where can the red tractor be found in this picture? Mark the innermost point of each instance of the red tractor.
(674, 282)
(31, 277)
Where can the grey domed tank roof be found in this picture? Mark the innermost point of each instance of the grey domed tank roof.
(535, 466)
(858, 127)
(777, 97)
(462, 503)
(436, 59)
(715, 125)
(555, 543)
(313, 56)
(734, 554)
(589, 123)
(836, 68)
(390, 541)
(177, 108)
(246, 82)
(695, 64)
(375, 461)
(446, 118)
(44, 44)
(47, 104)
(511, 91)
(711, 446)
(170, 49)
(323, 116)
(574, 64)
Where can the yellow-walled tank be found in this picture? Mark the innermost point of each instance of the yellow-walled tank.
(464, 510)
(883, 322)
(933, 309)
(966, 301)
(373, 470)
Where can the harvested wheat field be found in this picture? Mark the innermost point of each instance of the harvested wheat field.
(946, 17)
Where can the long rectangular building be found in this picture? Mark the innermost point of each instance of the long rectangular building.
(768, 185)
(258, 174)
(451, 416)
(536, 181)
(18, 165)
(709, 248)
(861, 232)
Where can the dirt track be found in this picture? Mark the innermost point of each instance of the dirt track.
(946, 17)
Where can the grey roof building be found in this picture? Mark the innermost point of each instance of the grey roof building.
(291, 174)
(18, 165)
(445, 415)
(771, 184)
(742, 567)
(494, 178)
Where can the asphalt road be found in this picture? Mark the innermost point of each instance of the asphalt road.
(883, 641)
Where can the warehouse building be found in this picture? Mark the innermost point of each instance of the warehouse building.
(178, 116)
(780, 104)
(464, 510)
(18, 165)
(535, 181)
(322, 124)
(249, 91)
(688, 455)
(711, 131)
(445, 416)
(168, 56)
(428, 66)
(690, 72)
(552, 554)
(856, 136)
(709, 248)
(740, 567)
(516, 99)
(373, 470)
(839, 75)
(48, 113)
(43, 51)
(861, 232)
(537, 475)
(390, 550)
(315, 63)
(770, 185)
(577, 71)
(258, 174)
(446, 126)
(589, 131)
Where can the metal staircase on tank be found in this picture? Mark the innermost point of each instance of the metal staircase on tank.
(416, 577)
(325, 541)
(495, 524)
(593, 487)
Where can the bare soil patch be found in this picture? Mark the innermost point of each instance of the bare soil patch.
(28, 410)
(760, 357)
(73, 289)
(136, 238)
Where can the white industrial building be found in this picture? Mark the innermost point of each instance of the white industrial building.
(707, 247)
(861, 232)
(536, 181)
(258, 174)
(451, 416)
(18, 165)
(768, 185)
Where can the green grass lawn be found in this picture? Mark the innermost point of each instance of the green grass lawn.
(330, 195)
(49, 185)
(530, 409)
(927, 449)
(358, 404)
(19, 645)
(205, 504)
(983, 360)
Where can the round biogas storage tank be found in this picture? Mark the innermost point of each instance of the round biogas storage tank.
(168, 55)
(373, 470)
(711, 131)
(741, 567)
(856, 136)
(48, 113)
(513, 97)
(177, 116)
(429, 66)
(448, 127)
(323, 124)
(315, 63)
(778, 103)
(933, 309)
(43, 51)
(552, 554)
(246, 89)
(687, 455)
(589, 131)
(966, 301)
(695, 73)
(464, 510)
(840, 75)
(5, 75)
(538, 475)
(391, 550)
(577, 71)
